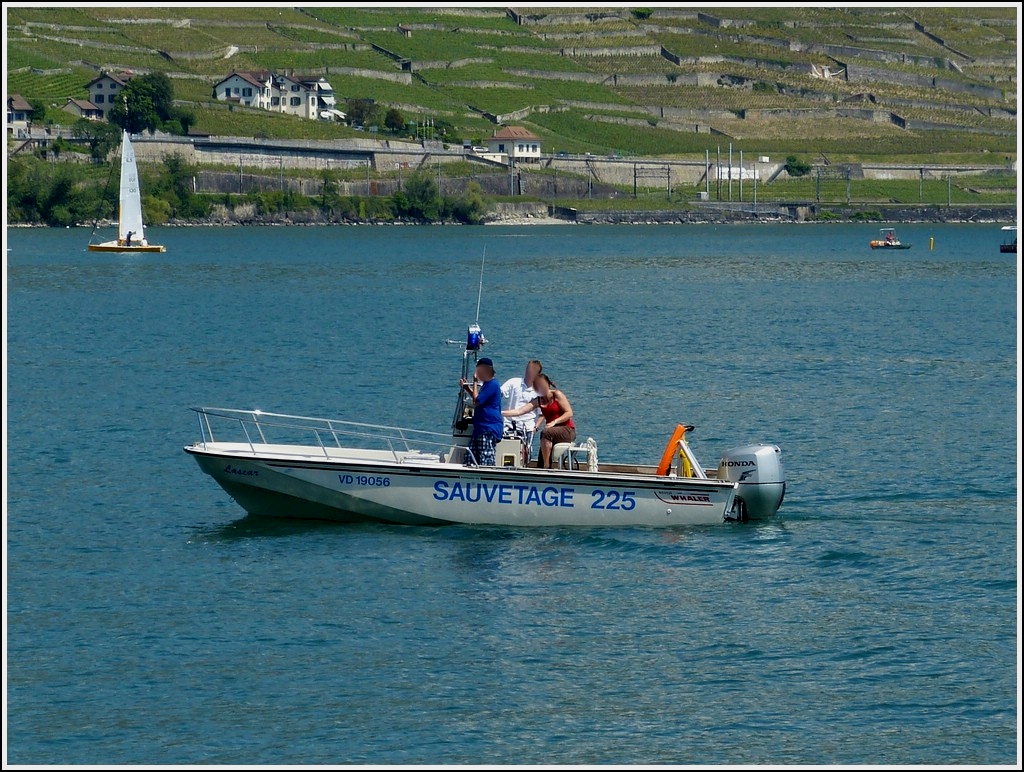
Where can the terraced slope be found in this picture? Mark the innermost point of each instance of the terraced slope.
(839, 81)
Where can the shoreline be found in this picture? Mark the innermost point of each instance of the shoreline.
(911, 215)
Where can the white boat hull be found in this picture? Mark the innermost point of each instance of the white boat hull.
(115, 246)
(419, 489)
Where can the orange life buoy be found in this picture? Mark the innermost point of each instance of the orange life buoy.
(670, 450)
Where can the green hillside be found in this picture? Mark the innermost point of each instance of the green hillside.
(900, 83)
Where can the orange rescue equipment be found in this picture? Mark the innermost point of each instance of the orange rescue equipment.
(671, 449)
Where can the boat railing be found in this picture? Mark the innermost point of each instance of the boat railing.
(256, 427)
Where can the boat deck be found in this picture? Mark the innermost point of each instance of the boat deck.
(406, 458)
(407, 448)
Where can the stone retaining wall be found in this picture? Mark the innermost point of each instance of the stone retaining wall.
(857, 73)
(358, 72)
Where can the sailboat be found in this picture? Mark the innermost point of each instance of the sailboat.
(131, 233)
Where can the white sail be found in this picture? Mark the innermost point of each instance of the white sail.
(130, 216)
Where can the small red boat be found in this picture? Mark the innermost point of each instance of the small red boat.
(887, 240)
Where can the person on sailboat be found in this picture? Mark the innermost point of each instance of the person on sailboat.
(128, 239)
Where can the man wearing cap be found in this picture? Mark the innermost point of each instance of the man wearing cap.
(487, 421)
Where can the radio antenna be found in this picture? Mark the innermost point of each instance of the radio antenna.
(480, 289)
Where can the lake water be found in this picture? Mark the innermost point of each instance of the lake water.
(873, 621)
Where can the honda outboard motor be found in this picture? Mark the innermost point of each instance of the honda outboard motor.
(761, 480)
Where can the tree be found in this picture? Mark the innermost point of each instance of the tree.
(147, 103)
(159, 87)
(99, 137)
(446, 131)
(26, 188)
(134, 113)
(795, 167)
(175, 185)
(471, 207)
(362, 112)
(422, 199)
(38, 114)
(394, 121)
(328, 190)
(185, 119)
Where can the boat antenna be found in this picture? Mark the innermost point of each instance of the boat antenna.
(475, 339)
(480, 288)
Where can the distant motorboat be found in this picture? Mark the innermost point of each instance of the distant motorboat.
(1009, 244)
(887, 240)
(131, 233)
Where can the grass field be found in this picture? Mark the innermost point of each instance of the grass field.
(982, 42)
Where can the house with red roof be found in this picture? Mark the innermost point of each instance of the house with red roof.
(517, 143)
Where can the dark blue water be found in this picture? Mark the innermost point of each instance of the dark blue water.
(874, 621)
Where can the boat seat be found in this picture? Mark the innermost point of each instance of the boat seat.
(568, 455)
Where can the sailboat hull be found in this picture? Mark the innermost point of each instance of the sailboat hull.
(113, 246)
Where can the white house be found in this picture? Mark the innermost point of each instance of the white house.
(517, 143)
(252, 89)
(105, 90)
(326, 103)
(305, 96)
(296, 99)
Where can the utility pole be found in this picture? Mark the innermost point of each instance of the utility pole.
(730, 172)
(707, 173)
(741, 175)
(718, 172)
